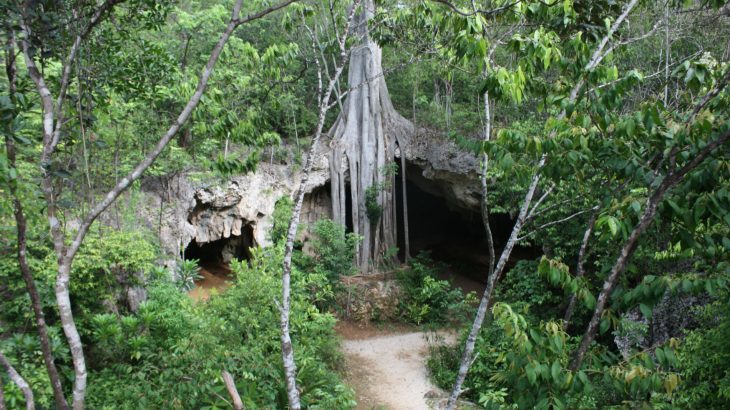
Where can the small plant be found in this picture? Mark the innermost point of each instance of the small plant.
(373, 209)
(334, 249)
(281, 216)
(187, 273)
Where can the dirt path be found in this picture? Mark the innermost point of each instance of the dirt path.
(388, 370)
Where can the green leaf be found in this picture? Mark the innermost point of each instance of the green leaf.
(645, 310)
(555, 371)
(589, 300)
(675, 207)
(21, 139)
(613, 225)
(636, 206)
(630, 127)
(605, 323)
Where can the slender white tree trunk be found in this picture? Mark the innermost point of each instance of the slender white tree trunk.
(19, 381)
(580, 267)
(598, 55)
(323, 94)
(52, 113)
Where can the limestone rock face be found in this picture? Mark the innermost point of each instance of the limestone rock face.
(181, 209)
(671, 317)
(205, 212)
(447, 170)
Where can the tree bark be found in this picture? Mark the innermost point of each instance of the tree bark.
(287, 350)
(19, 381)
(21, 228)
(52, 124)
(485, 186)
(580, 268)
(406, 233)
(232, 391)
(628, 248)
(364, 139)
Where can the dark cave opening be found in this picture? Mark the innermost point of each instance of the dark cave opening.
(214, 260)
(222, 251)
(453, 236)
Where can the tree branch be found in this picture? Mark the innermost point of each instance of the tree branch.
(630, 245)
(233, 391)
(531, 214)
(19, 381)
(476, 11)
(559, 221)
(580, 266)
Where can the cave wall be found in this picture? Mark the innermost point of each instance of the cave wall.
(181, 209)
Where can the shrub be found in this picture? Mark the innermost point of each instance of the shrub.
(333, 249)
(704, 360)
(187, 272)
(427, 299)
(282, 217)
(523, 287)
(171, 353)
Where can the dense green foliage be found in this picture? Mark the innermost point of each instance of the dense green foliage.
(170, 353)
(173, 351)
(426, 299)
(703, 359)
(604, 126)
(333, 249)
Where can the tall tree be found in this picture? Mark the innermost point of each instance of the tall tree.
(364, 141)
(526, 210)
(21, 229)
(53, 111)
(324, 95)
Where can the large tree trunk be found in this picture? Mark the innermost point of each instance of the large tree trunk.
(364, 139)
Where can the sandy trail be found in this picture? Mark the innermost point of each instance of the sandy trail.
(388, 371)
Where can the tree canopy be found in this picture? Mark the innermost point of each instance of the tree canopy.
(601, 128)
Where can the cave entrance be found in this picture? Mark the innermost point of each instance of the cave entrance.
(451, 234)
(214, 260)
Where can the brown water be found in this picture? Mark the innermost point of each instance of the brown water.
(215, 278)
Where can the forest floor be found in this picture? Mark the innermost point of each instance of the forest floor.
(387, 367)
(214, 278)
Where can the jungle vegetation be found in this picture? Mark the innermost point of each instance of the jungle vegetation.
(601, 127)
